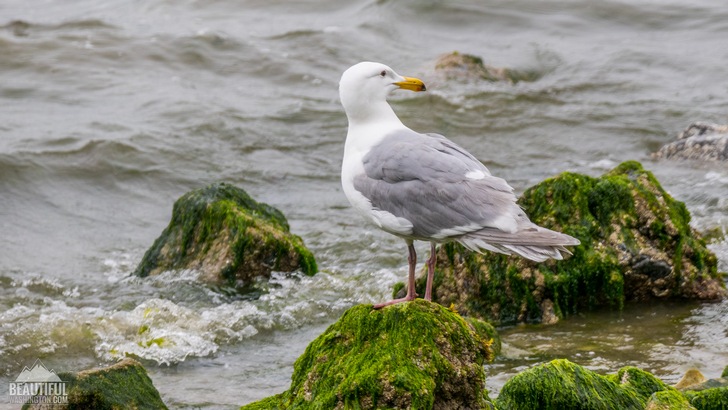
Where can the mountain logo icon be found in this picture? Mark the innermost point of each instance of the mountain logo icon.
(37, 374)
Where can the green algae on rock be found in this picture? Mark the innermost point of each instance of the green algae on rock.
(124, 385)
(636, 244)
(416, 355)
(669, 400)
(230, 238)
(561, 384)
(487, 331)
(276, 402)
(709, 399)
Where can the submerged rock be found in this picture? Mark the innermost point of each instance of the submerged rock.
(700, 141)
(636, 244)
(466, 67)
(230, 238)
(415, 355)
(124, 385)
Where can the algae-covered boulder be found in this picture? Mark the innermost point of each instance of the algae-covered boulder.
(700, 141)
(124, 385)
(709, 399)
(669, 400)
(416, 355)
(636, 244)
(561, 384)
(230, 238)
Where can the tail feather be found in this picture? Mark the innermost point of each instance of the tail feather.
(534, 242)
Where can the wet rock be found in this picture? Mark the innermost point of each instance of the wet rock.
(548, 315)
(124, 385)
(416, 355)
(230, 238)
(695, 381)
(700, 141)
(704, 393)
(561, 384)
(636, 244)
(691, 378)
(466, 67)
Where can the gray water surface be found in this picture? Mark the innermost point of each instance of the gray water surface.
(110, 110)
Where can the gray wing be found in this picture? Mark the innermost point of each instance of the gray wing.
(436, 185)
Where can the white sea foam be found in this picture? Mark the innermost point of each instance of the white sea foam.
(179, 318)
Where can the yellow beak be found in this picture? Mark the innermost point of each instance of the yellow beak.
(411, 83)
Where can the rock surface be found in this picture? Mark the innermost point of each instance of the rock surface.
(636, 244)
(124, 385)
(230, 238)
(466, 67)
(691, 378)
(416, 355)
(700, 141)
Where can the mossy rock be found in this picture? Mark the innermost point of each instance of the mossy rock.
(561, 384)
(636, 244)
(638, 381)
(669, 400)
(710, 399)
(416, 355)
(276, 402)
(487, 331)
(124, 385)
(230, 238)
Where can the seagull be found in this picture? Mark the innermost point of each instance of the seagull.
(425, 187)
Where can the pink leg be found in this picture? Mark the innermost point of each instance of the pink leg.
(412, 259)
(430, 271)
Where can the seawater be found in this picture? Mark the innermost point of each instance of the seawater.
(111, 110)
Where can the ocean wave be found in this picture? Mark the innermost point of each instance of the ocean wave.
(170, 324)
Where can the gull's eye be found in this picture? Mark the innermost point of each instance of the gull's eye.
(383, 73)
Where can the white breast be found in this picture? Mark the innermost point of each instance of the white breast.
(358, 143)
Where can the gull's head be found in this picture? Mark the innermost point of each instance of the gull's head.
(364, 88)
